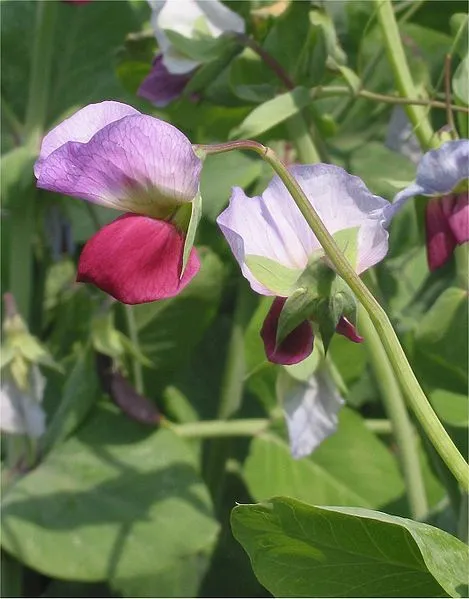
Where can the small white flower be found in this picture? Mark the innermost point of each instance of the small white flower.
(20, 411)
(182, 16)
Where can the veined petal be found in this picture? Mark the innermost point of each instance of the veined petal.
(311, 411)
(272, 226)
(137, 259)
(137, 163)
(81, 127)
(456, 209)
(295, 347)
(161, 87)
(440, 239)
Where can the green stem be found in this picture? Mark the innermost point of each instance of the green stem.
(401, 425)
(133, 334)
(10, 117)
(41, 67)
(398, 61)
(209, 429)
(379, 426)
(301, 138)
(412, 390)
(230, 394)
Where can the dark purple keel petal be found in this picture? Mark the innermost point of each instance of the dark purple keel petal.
(137, 259)
(440, 239)
(456, 209)
(161, 87)
(295, 347)
(347, 329)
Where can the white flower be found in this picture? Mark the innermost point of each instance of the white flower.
(310, 408)
(183, 16)
(20, 411)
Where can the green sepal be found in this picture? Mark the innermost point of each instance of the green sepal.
(202, 48)
(298, 307)
(196, 215)
(274, 276)
(347, 240)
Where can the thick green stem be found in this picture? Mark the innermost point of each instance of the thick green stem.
(401, 425)
(230, 394)
(411, 387)
(133, 334)
(398, 61)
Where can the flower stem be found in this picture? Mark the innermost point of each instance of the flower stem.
(209, 429)
(411, 387)
(401, 425)
(41, 67)
(133, 334)
(398, 61)
(301, 138)
(230, 394)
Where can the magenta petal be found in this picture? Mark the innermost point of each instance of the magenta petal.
(440, 239)
(347, 329)
(137, 259)
(161, 87)
(456, 209)
(295, 347)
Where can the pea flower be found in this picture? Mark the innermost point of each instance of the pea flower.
(443, 175)
(171, 68)
(111, 154)
(310, 407)
(271, 228)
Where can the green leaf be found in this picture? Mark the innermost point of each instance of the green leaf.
(333, 474)
(114, 503)
(453, 410)
(80, 393)
(459, 28)
(461, 81)
(441, 348)
(347, 240)
(16, 175)
(196, 215)
(273, 275)
(298, 550)
(221, 172)
(272, 112)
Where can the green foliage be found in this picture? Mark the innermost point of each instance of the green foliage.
(298, 550)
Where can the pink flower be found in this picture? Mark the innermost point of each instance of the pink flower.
(111, 154)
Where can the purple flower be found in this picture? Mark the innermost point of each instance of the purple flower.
(443, 175)
(171, 68)
(111, 154)
(271, 227)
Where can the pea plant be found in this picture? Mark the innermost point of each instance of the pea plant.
(235, 298)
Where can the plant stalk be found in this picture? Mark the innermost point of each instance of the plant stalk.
(395, 407)
(396, 56)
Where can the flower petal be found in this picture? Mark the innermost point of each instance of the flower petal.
(440, 239)
(311, 410)
(295, 347)
(81, 127)
(137, 259)
(138, 164)
(273, 227)
(456, 209)
(20, 411)
(161, 87)
(439, 171)
(347, 329)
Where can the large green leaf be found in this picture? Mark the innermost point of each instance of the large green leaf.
(298, 550)
(352, 467)
(114, 503)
